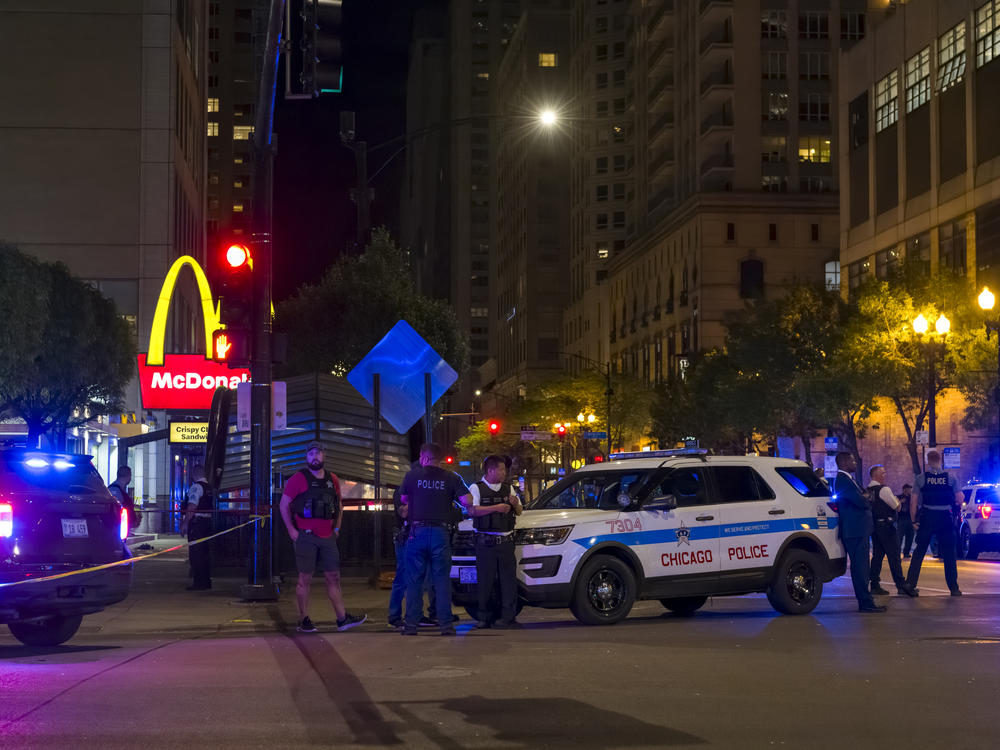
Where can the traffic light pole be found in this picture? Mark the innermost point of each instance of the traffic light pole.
(259, 585)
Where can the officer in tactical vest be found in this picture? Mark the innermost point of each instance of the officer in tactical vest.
(938, 492)
(197, 523)
(312, 510)
(493, 505)
(885, 540)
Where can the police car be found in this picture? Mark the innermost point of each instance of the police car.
(677, 526)
(979, 529)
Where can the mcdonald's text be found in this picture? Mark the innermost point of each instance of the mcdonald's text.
(185, 381)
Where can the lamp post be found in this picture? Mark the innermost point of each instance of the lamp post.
(986, 301)
(941, 327)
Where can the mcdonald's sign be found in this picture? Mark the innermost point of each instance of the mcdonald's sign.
(183, 381)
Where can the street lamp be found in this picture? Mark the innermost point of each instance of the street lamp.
(941, 327)
(986, 302)
(548, 118)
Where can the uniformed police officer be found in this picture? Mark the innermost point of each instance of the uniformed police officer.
(400, 534)
(885, 540)
(197, 523)
(493, 505)
(312, 510)
(429, 493)
(938, 492)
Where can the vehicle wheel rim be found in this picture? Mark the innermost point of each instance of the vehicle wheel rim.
(606, 591)
(801, 582)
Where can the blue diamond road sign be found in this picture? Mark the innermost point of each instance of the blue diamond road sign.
(401, 358)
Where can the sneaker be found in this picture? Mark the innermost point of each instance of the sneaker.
(956, 592)
(408, 631)
(428, 622)
(482, 625)
(350, 621)
(306, 626)
(396, 623)
(876, 589)
(507, 625)
(450, 630)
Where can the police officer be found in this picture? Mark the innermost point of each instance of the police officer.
(907, 511)
(938, 493)
(119, 489)
(312, 511)
(855, 529)
(493, 505)
(885, 540)
(197, 523)
(399, 536)
(429, 493)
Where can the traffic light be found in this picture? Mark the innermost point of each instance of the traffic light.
(320, 44)
(449, 459)
(231, 344)
(494, 427)
(561, 432)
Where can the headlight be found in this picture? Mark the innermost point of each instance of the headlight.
(545, 535)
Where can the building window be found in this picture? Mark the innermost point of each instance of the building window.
(213, 128)
(237, 208)
(618, 78)
(602, 221)
(618, 161)
(238, 159)
(831, 273)
(775, 105)
(730, 231)
(814, 232)
(772, 232)
(602, 109)
(772, 183)
(918, 252)
(242, 132)
(751, 279)
(918, 79)
(857, 272)
(618, 220)
(213, 82)
(601, 52)
(213, 178)
(951, 247)
(886, 102)
(618, 191)
(213, 104)
(602, 250)
(601, 80)
(814, 25)
(815, 184)
(774, 65)
(601, 165)
(618, 50)
(548, 59)
(814, 107)
(601, 24)
(773, 24)
(618, 133)
(887, 263)
(773, 149)
(814, 150)
(602, 192)
(987, 32)
(951, 57)
(852, 25)
(618, 106)
(814, 66)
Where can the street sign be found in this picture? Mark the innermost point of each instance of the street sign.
(529, 428)
(691, 442)
(595, 435)
(831, 445)
(923, 437)
(532, 436)
(951, 458)
(830, 468)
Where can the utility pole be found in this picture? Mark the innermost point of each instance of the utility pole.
(362, 195)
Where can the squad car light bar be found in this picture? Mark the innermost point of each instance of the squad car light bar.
(659, 454)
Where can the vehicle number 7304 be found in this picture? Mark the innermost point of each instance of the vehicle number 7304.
(618, 526)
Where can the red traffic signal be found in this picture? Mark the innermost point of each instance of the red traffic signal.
(238, 255)
(494, 427)
(561, 431)
(231, 346)
(449, 460)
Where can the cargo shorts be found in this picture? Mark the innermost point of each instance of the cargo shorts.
(313, 552)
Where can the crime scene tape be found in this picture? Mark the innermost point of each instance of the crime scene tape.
(128, 561)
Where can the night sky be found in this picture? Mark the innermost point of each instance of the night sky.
(314, 216)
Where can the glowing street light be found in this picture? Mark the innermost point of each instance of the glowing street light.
(942, 325)
(548, 118)
(986, 299)
(920, 324)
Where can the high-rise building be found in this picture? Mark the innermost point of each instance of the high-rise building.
(531, 233)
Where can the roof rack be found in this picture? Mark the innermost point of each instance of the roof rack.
(671, 453)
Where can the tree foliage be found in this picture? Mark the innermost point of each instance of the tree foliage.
(66, 355)
(334, 322)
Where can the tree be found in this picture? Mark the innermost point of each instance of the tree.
(66, 355)
(333, 323)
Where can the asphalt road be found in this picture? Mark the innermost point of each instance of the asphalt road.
(168, 668)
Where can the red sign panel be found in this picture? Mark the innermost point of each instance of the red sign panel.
(185, 381)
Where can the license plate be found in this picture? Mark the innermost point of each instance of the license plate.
(74, 528)
(466, 575)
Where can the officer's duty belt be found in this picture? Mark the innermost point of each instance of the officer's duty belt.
(439, 524)
(491, 540)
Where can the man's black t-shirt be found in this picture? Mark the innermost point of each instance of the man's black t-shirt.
(430, 493)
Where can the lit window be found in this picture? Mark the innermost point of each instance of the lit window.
(602, 250)
(951, 57)
(548, 59)
(775, 105)
(886, 102)
(242, 132)
(237, 182)
(213, 128)
(237, 208)
(238, 159)
(887, 262)
(987, 32)
(857, 272)
(814, 150)
(213, 104)
(484, 76)
(213, 178)
(773, 24)
(832, 274)
(772, 183)
(918, 79)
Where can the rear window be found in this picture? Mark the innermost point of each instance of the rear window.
(26, 472)
(987, 495)
(803, 480)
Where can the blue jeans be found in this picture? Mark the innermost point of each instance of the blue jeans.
(399, 583)
(428, 551)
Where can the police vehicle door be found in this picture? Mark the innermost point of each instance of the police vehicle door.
(679, 544)
(753, 522)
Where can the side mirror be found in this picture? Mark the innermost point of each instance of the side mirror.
(661, 502)
(624, 501)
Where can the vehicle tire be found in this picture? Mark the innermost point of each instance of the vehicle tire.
(605, 591)
(797, 584)
(46, 631)
(684, 606)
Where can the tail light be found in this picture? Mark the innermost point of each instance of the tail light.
(122, 524)
(985, 511)
(833, 505)
(6, 520)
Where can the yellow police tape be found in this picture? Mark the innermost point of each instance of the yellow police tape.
(128, 561)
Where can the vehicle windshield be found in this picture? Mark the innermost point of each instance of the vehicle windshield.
(590, 490)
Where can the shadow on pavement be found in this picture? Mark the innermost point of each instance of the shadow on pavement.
(23, 652)
(542, 722)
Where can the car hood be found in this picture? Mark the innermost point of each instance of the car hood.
(533, 519)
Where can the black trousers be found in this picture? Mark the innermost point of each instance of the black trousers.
(857, 553)
(940, 523)
(496, 564)
(885, 544)
(904, 528)
(201, 560)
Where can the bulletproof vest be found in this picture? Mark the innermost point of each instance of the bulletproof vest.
(320, 500)
(496, 522)
(432, 495)
(904, 505)
(936, 489)
(205, 501)
(880, 511)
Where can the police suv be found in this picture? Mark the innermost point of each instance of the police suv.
(979, 529)
(677, 526)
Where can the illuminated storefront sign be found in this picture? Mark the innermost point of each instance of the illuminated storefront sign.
(183, 381)
(189, 432)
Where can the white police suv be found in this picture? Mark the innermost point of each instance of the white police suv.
(979, 527)
(678, 526)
